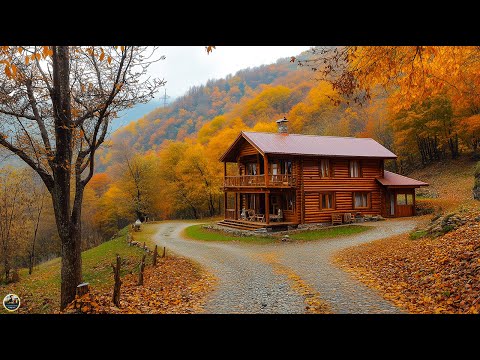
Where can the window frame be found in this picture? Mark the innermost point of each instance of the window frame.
(290, 195)
(369, 197)
(320, 200)
(360, 172)
(330, 170)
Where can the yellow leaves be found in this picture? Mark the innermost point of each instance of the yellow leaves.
(209, 49)
(122, 48)
(27, 60)
(109, 59)
(102, 55)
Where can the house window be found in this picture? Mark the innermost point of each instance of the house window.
(327, 201)
(324, 168)
(290, 199)
(274, 168)
(404, 199)
(355, 168)
(361, 200)
(287, 168)
(252, 169)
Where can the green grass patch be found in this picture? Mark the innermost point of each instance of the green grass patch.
(197, 232)
(41, 290)
(418, 234)
(332, 232)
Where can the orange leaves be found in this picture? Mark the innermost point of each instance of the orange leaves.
(8, 72)
(174, 286)
(209, 49)
(423, 276)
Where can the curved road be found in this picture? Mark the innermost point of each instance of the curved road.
(247, 283)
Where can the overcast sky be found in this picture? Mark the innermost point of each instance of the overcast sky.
(186, 66)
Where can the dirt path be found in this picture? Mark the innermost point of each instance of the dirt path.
(245, 285)
(249, 282)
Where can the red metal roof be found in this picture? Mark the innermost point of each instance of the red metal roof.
(392, 179)
(296, 144)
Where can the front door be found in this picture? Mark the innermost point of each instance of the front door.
(404, 203)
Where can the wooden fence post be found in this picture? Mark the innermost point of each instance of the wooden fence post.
(155, 254)
(140, 273)
(118, 282)
(164, 252)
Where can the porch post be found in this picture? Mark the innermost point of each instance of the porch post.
(224, 169)
(225, 204)
(414, 208)
(236, 207)
(265, 169)
(267, 208)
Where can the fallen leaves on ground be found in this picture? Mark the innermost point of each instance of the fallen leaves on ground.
(428, 275)
(174, 286)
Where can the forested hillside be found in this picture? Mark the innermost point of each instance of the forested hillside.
(165, 165)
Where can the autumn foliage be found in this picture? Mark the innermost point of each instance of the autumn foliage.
(428, 275)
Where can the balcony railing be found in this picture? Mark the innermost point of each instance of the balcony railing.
(280, 180)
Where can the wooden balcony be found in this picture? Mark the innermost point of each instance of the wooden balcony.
(280, 180)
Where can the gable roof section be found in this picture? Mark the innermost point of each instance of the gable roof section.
(310, 145)
(392, 179)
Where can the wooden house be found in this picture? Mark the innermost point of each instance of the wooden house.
(285, 179)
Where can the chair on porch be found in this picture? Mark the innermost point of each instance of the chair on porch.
(251, 215)
(347, 218)
(337, 219)
(260, 217)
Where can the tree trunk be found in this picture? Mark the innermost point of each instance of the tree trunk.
(68, 224)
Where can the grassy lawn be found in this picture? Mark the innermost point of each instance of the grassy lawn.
(41, 290)
(197, 232)
(329, 233)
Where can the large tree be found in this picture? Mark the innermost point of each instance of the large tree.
(56, 104)
(411, 74)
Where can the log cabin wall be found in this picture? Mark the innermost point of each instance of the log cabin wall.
(247, 149)
(342, 186)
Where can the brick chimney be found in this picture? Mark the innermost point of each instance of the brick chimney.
(282, 126)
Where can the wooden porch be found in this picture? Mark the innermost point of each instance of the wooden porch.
(254, 225)
(278, 180)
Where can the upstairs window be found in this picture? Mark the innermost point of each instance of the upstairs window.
(325, 168)
(252, 169)
(355, 170)
(287, 167)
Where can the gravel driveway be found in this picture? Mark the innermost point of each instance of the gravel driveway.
(247, 284)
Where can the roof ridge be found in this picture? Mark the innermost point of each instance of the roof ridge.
(329, 136)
